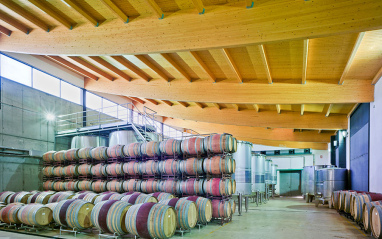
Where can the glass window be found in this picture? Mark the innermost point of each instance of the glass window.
(70, 92)
(16, 71)
(110, 108)
(46, 83)
(93, 101)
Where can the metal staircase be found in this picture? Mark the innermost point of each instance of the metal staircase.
(141, 132)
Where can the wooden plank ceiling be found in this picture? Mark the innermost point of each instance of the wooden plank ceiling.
(291, 79)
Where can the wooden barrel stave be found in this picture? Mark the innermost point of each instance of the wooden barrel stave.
(48, 156)
(150, 149)
(170, 147)
(99, 153)
(115, 151)
(193, 146)
(204, 207)
(35, 215)
(85, 153)
(221, 209)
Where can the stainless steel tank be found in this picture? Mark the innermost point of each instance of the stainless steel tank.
(88, 141)
(243, 173)
(274, 173)
(332, 179)
(308, 178)
(268, 171)
(124, 137)
(258, 173)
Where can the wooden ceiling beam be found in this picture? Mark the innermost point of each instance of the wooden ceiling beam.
(109, 66)
(150, 65)
(138, 100)
(154, 6)
(115, 9)
(78, 8)
(305, 60)
(126, 63)
(199, 6)
(278, 108)
(5, 31)
(203, 66)
(13, 22)
(168, 58)
(249, 3)
(251, 132)
(200, 105)
(320, 131)
(185, 104)
(316, 92)
(91, 67)
(265, 63)
(232, 64)
(352, 110)
(328, 110)
(46, 7)
(287, 144)
(302, 109)
(25, 14)
(133, 101)
(351, 57)
(217, 106)
(72, 67)
(236, 106)
(256, 106)
(169, 103)
(377, 77)
(153, 101)
(175, 37)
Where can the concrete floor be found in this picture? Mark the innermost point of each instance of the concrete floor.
(279, 218)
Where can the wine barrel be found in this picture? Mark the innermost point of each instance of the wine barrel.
(59, 186)
(149, 186)
(359, 201)
(85, 153)
(99, 186)
(104, 197)
(109, 216)
(149, 167)
(169, 186)
(170, 147)
(58, 171)
(234, 143)
(143, 198)
(192, 166)
(9, 213)
(334, 198)
(131, 198)
(116, 196)
(21, 197)
(162, 196)
(114, 169)
(60, 197)
(4, 196)
(72, 154)
(218, 165)
(151, 220)
(48, 156)
(191, 186)
(233, 206)
(71, 170)
(85, 169)
(348, 197)
(169, 167)
(193, 146)
(220, 143)
(132, 150)
(131, 185)
(85, 185)
(366, 217)
(131, 168)
(33, 197)
(35, 215)
(99, 153)
(42, 198)
(89, 197)
(60, 156)
(71, 185)
(150, 149)
(186, 211)
(233, 165)
(99, 170)
(204, 207)
(376, 220)
(52, 206)
(221, 208)
(48, 185)
(48, 171)
(74, 213)
(115, 151)
(218, 187)
(114, 186)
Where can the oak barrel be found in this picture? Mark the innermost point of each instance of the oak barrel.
(48, 171)
(74, 213)
(132, 150)
(186, 210)
(221, 208)
(218, 165)
(115, 151)
(149, 167)
(149, 186)
(220, 143)
(85, 169)
(218, 187)
(191, 186)
(85, 153)
(60, 156)
(99, 153)
(114, 169)
(60, 197)
(131, 168)
(35, 215)
(233, 206)
(193, 146)
(367, 214)
(204, 207)
(9, 215)
(72, 154)
(85, 185)
(99, 186)
(104, 197)
(376, 219)
(48, 156)
(170, 147)
(114, 186)
(4, 196)
(169, 167)
(150, 149)
(71, 170)
(71, 185)
(169, 186)
(42, 198)
(58, 171)
(99, 170)
(21, 197)
(131, 185)
(162, 196)
(48, 185)
(192, 166)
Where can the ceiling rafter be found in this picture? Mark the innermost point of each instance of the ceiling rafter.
(92, 67)
(203, 65)
(278, 108)
(377, 77)
(200, 105)
(150, 65)
(265, 63)
(351, 57)
(154, 6)
(199, 6)
(256, 106)
(126, 63)
(169, 103)
(168, 58)
(47, 8)
(352, 110)
(132, 100)
(153, 101)
(115, 9)
(137, 100)
(109, 66)
(83, 12)
(5, 31)
(72, 66)
(236, 106)
(13, 22)
(302, 109)
(305, 60)
(328, 110)
(232, 64)
(25, 14)
(217, 106)
(320, 131)
(185, 104)
(249, 3)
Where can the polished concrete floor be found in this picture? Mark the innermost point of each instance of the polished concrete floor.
(279, 218)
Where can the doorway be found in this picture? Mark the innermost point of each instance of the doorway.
(290, 183)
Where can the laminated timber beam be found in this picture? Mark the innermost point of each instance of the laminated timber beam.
(377, 77)
(5, 31)
(115, 9)
(83, 12)
(199, 6)
(305, 60)
(265, 63)
(252, 118)
(91, 67)
(316, 92)
(320, 19)
(72, 67)
(109, 66)
(251, 132)
(153, 101)
(14, 23)
(286, 144)
(126, 63)
(154, 6)
(232, 64)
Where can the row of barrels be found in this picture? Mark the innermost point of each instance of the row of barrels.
(216, 143)
(364, 207)
(190, 166)
(192, 186)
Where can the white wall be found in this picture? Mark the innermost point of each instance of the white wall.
(375, 153)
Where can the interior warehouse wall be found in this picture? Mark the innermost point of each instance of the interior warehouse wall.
(23, 126)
